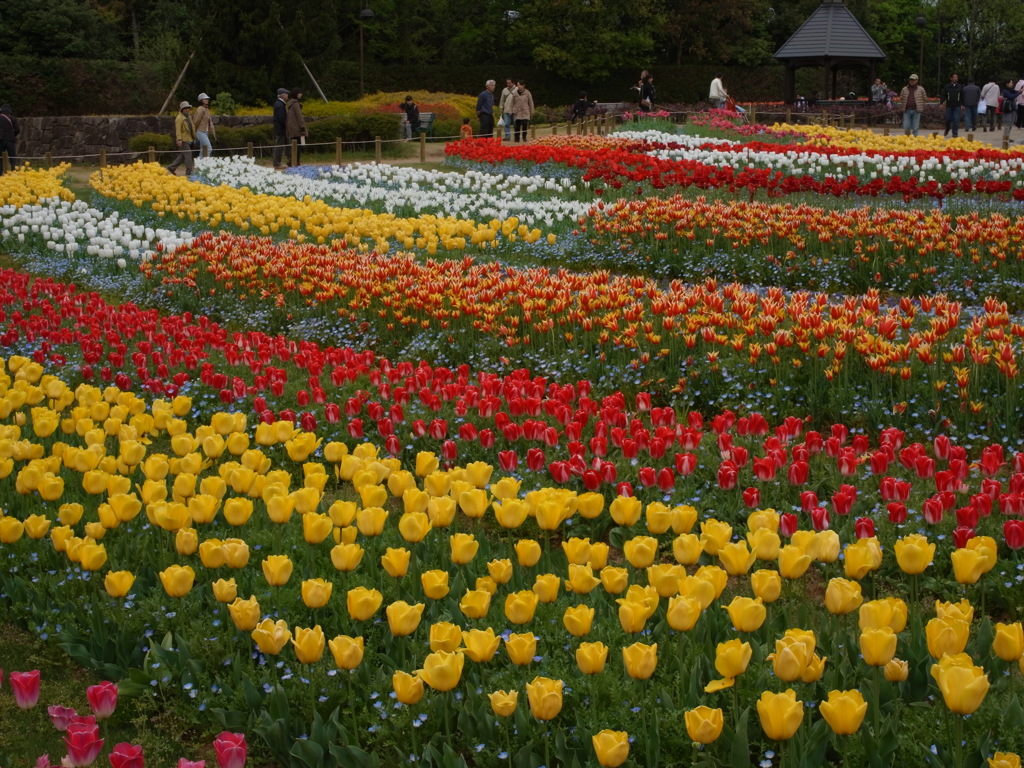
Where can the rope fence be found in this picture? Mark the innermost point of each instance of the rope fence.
(598, 125)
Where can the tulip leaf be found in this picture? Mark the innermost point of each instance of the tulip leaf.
(452, 759)
(354, 757)
(740, 754)
(1013, 716)
(230, 719)
(618, 536)
(308, 753)
(983, 642)
(815, 744)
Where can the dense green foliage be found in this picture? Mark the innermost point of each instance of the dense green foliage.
(129, 52)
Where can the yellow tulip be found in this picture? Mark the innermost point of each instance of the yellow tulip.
(747, 614)
(51, 487)
(590, 505)
(435, 584)
(946, 636)
(703, 724)
(877, 645)
(277, 569)
(701, 590)
(528, 552)
(464, 547)
(503, 703)
(125, 506)
(862, 557)
(480, 644)
(408, 688)
(506, 488)
(362, 603)
(732, 657)
(683, 612)
(1004, 760)
(545, 696)
(577, 550)
(403, 619)
(793, 562)
(245, 613)
(581, 579)
(625, 510)
(202, 508)
(766, 584)
(309, 644)
(640, 660)
(346, 557)
(426, 463)
(396, 561)
(764, 543)
(316, 592)
(844, 711)
(963, 685)
(445, 636)
(736, 558)
(611, 748)
(521, 606)
(177, 580)
(1008, 643)
(914, 553)
(237, 510)
(591, 657)
(962, 610)
(578, 619)
(441, 670)
(896, 671)
(633, 615)
(414, 526)
(986, 545)
(347, 651)
(37, 526)
(70, 514)
(370, 520)
(780, 714)
(793, 654)
(886, 612)
(614, 579)
(225, 590)
(521, 648)
(186, 541)
(828, 545)
(118, 583)
(842, 596)
(475, 603)
(968, 565)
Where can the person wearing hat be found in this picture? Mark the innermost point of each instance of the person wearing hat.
(912, 97)
(280, 126)
(184, 134)
(203, 122)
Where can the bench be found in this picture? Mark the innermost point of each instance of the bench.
(426, 124)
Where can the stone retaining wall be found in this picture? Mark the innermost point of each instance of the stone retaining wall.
(73, 137)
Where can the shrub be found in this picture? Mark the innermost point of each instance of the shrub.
(237, 138)
(225, 104)
(143, 141)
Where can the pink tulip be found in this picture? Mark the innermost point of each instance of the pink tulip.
(61, 717)
(102, 698)
(83, 743)
(126, 755)
(184, 763)
(26, 688)
(231, 749)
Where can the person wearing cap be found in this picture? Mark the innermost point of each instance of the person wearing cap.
(280, 126)
(185, 135)
(912, 97)
(203, 122)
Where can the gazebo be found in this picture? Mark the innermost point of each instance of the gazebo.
(832, 39)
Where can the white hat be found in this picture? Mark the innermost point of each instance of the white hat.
(202, 96)
(184, 105)
(914, 77)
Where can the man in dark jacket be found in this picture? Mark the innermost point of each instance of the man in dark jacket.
(485, 110)
(971, 95)
(951, 95)
(9, 130)
(280, 126)
(412, 116)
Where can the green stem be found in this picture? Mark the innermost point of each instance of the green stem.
(352, 708)
(876, 714)
(958, 727)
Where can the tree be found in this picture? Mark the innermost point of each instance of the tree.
(718, 31)
(56, 28)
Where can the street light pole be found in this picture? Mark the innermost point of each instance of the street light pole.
(921, 22)
(364, 15)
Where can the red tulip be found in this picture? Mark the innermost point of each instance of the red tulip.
(897, 511)
(102, 698)
(535, 459)
(808, 501)
(820, 518)
(61, 717)
(25, 686)
(932, 510)
(126, 755)
(624, 489)
(647, 476)
(788, 524)
(591, 480)
(727, 475)
(1013, 532)
(686, 464)
(798, 472)
(508, 460)
(185, 763)
(864, 527)
(438, 429)
(308, 422)
(486, 438)
(83, 744)
(231, 749)
(355, 428)
(559, 471)
(967, 517)
(666, 479)
(332, 413)
(751, 498)
(961, 535)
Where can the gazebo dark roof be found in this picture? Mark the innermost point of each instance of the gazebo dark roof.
(831, 38)
(830, 31)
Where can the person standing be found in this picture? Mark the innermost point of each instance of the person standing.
(521, 108)
(506, 116)
(203, 122)
(647, 93)
(184, 135)
(912, 97)
(485, 110)
(951, 95)
(295, 122)
(717, 93)
(990, 95)
(280, 126)
(1019, 88)
(1008, 107)
(971, 95)
(9, 130)
(412, 116)
(581, 107)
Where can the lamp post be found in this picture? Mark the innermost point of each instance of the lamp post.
(364, 15)
(921, 23)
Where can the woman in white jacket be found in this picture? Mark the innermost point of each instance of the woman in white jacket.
(990, 95)
(520, 106)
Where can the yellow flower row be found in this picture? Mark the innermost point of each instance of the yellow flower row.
(830, 136)
(27, 185)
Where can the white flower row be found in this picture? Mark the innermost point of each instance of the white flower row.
(78, 228)
(410, 191)
(797, 162)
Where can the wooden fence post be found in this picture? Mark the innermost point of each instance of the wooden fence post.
(753, 114)
(49, 160)
(337, 150)
(249, 149)
(295, 152)
(377, 149)
(423, 147)
(151, 154)
(6, 164)
(103, 158)
(554, 130)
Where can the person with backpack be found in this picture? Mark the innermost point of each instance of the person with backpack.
(9, 130)
(184, 137)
